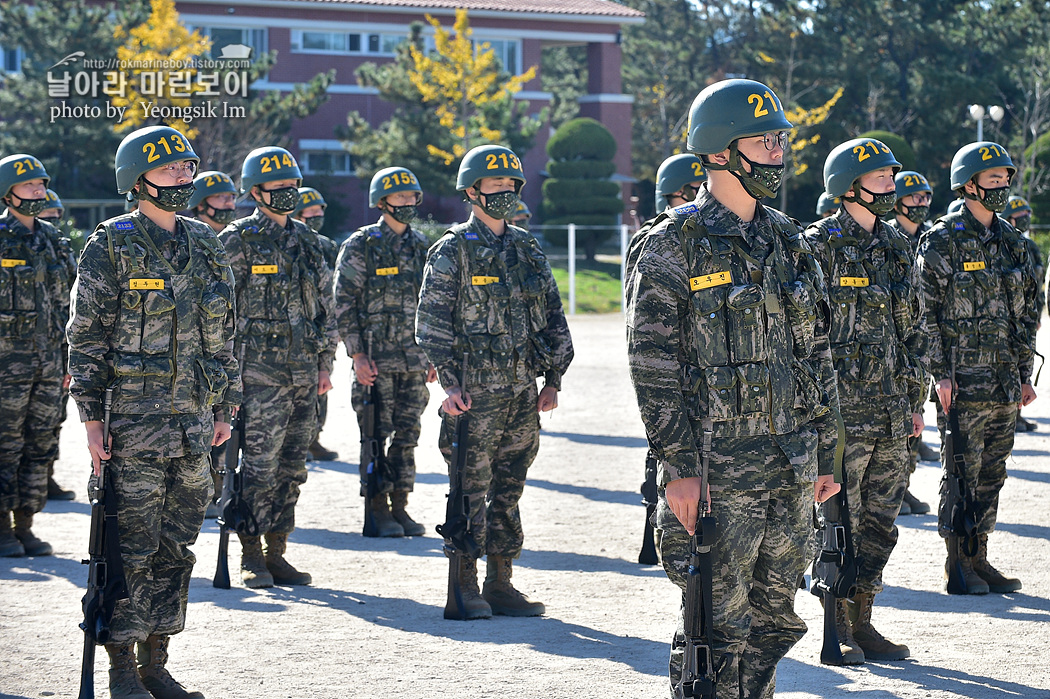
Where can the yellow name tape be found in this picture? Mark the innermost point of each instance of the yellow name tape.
(145, 283)
(264, 269)
(973, 266)
(709, 280)
(853, 281)
(482, 281)
(386, 271)
(12, 263)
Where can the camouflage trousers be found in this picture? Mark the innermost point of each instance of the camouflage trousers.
(31, 405)
(403, 397)
(876, 476)
(502, 442)
(161, 509)
(322, 415)
(989, 432)
(279, 425)
(758, 561)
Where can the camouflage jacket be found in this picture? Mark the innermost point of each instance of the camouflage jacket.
(924, 228)
(35, 278)
(329, 249)
(979, 289)
(1039, 272)
(286, 329)
(723, 336)
(492, 298)
(876, 316)
(153, 316)
(376, 291)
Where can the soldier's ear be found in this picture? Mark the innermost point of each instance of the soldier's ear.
(719, 158)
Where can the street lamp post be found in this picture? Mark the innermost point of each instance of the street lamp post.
(978, 112)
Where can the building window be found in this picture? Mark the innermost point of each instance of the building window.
(225, 36)
(326, 162)
(10, 60)
(345, 43)
(508, 51)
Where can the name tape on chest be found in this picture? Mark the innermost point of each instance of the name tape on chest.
(124, 226)
(972, 266)
(853, 281)
(709, 280)
(386, 271)
(264, 269)
(482, 281)
(145, 283)
(11, 262)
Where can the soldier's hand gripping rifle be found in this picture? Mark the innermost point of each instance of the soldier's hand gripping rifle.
(373, 449)
(458, 530)
(106, 582)
(956, 518)
(650, 496)
(234, 512)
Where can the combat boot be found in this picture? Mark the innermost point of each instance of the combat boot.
(320, 453)
(33, 545)
(57, 492)
(874, 644)
(463, 576)
(254, 573)
(398, 503)
(385, 524)
(283, 572)
(124, 680)
(501, 595)
(10, 546)
(852, 653)
(153, 656)
(967, 581)
(997, 582)
(928, 453)
(915, 505)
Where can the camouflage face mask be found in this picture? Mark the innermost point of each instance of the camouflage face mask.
(994, 200)
(30, 207)
(316, 223)
(499, 204)
(282, 200)
(174, 198)
(880, 204)
(53, 220)
(917, 214)
(1021, 223)
(404, 214)
(223, 217)
(763, 180)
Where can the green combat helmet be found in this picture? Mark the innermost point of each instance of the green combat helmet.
(492, 161)
(906, 183)
(149, 148)
(270, 164)
(52, 202)
(19, 168)
(848, 161)
(674, 174)
(208, 184)
(520, 216)
(974, 158)
(1019, 213)
(827, 204)
(730, 110)
(308, 196)
(390, 180)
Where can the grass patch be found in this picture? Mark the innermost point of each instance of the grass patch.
(598, 287)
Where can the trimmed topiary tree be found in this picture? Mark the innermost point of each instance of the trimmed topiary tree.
(579, 189)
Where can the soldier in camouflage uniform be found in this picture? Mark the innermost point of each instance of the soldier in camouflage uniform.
(34, 304)
(977, 277)
(520, 216)
(909, 219)
(310, 210)
(286, 338)
(827, 205)
(1019, 214)
(489, 303)
(726, 351)
(877, 348)
(153, 318)
(380, 269)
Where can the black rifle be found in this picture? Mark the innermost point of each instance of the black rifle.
(650, 496)
(106, 583)
(234, 512)
(373, 449)
(957, 517)
(699, 674)
(458, 530)
(835, 568)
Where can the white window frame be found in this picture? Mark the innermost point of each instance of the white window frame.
(364, 41)
(329, 147)
(248, 33)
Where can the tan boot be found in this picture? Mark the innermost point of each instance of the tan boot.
(915, 505)
(57, 492)
(501, 595)
(398, 503)
(283, 572)
(463, 577)
(997, 582)
(963, 580)
(124, 680)
(385, 524)
(321, 453)
(153, 656)
(852, 653)
(254, 573)
(34, 546)
(10, 546)
(873, 643)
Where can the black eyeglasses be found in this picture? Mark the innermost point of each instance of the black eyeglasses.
(775, 138)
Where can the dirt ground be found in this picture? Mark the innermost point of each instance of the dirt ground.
(371, 625)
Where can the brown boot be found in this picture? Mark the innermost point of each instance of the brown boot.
(254, 573)
(873, 643)
(320, 453)
(385, 524)
(852, 653)
(10, 546)
(398, 503)
(153, 656)
(967, 581)
(501, 595)
(57, 492)
(914, 505)
(124, 680)
(997, 582)
(283, 572)
(33, 545)
(463, 577)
